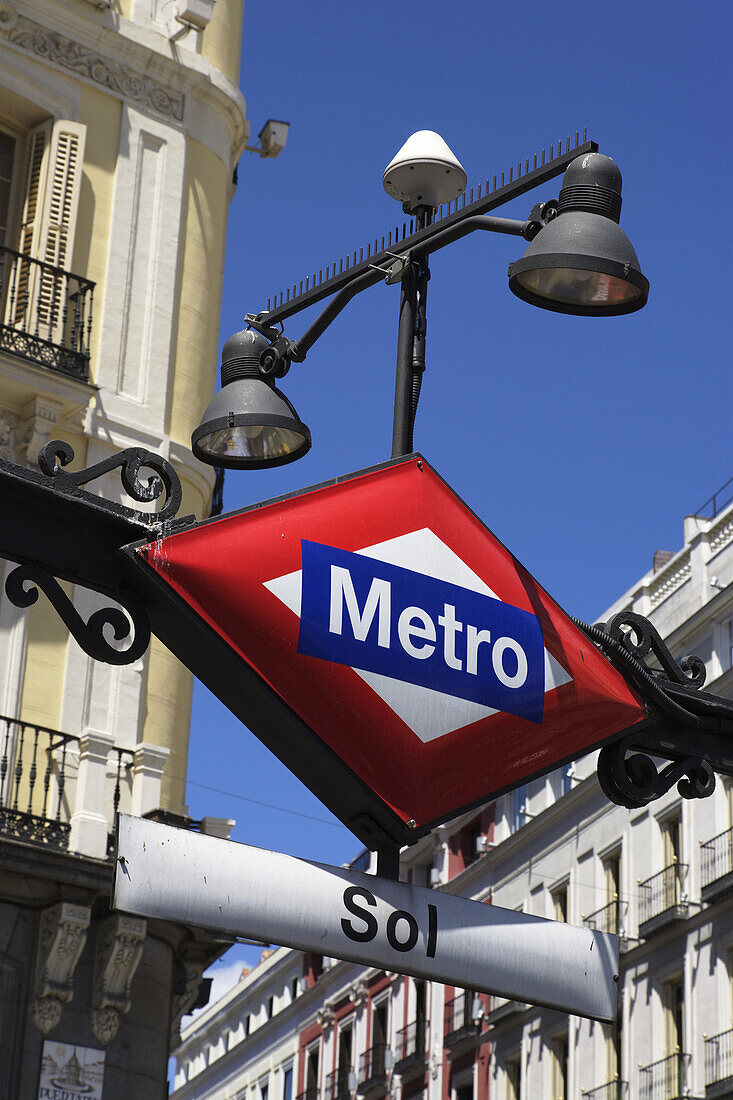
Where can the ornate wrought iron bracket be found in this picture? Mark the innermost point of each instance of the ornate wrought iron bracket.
(689, 728)
(56, 454)
(21, 587)
(57, 529)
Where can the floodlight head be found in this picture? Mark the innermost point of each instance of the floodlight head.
(424, 172)
(249, 424)
(582, 262)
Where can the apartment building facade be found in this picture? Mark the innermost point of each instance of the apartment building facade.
(660, 877)
(121, 123)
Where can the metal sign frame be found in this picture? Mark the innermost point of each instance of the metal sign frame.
(55, 528)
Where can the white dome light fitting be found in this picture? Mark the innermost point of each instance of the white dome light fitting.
(424, 172)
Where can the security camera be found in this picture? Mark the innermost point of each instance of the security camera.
(424, 173)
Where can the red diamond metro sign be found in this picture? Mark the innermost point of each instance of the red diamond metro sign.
(422, 661)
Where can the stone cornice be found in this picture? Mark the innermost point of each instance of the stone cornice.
(124, 58)
(54, 47)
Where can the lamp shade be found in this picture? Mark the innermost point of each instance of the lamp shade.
(249, 423)
(582, 262)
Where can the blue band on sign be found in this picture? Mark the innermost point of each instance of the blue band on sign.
(382, 618)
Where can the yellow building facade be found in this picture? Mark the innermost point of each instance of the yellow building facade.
(121, 123)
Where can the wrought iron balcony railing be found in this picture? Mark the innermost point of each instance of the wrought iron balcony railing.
(665, 1079)
(410, 1045)
(716, 872)
(34, 769)
(336, 1085)
(605, 919)
(373, 1064)
(662, 899)
(312, 1092)
(45, 314)
(719, 1064)
(459, 1020)
(612, 1090)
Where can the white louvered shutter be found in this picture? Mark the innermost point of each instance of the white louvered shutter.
(52, 183)
(36, 160)
(57, 223)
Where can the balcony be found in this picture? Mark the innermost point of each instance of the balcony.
(612, 1090)
(501, 1010)
(410, 1048)
(46, 314)
(665, 1079)
(719, 1066)
(337, 1085)
(461, 1024)
(373, 1065)
(662, 899)
(61, 792)
(717, 866)
(608, 919)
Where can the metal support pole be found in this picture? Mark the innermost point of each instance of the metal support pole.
(418, 343)
(411, 344)
(401, 427)
(388, 862)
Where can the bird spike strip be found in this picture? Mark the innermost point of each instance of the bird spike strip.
(492, 192)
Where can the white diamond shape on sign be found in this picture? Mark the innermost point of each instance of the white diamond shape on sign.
(428, 713)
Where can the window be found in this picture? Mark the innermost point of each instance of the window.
(7, 159)
(48, 173)
(264, 1089)
(560, 903)
(674, 1018)
(560, 1068)
(270, 1007)
(612, 1033)
(311, 1071)
(513, 1068)
(288, 1083)
(421, 1015)
(612, 882)
(345, 1060)
(672, 840)
(379, 1023)
(516, 815)
(567, 773)
(463, 1091)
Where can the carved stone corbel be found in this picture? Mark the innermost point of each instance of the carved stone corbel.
(325, 1016)
(358, 993)
(119, 950)
(61, 940)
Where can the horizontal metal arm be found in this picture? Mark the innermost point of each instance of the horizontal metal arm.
(299, 348)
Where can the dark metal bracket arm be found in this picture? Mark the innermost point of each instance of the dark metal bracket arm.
(56, 529)
(688, 727)
(21, 588)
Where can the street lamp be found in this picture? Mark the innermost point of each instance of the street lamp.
(249, 423)
(578, 261)
(583, 262)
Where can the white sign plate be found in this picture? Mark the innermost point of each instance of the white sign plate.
(173, 874)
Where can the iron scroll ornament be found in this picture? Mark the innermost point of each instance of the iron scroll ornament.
(688, 721)
(56, 454)
(21, 587)
(115, 623)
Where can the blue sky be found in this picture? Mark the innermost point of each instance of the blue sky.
(580, 442)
